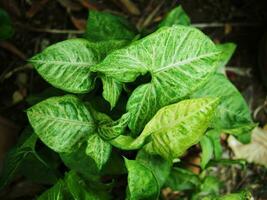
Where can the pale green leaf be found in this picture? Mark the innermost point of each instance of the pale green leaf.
(98, 149)
(179, 126)
(54, 193)
(66, 65)
(176, 16)
(61, 122)
(232, 114)
(207, 151)
(180, 59)
(105, 26)
(111, 90)
(142, 183)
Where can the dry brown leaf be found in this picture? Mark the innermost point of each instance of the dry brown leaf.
(255, 151)
(80, 24)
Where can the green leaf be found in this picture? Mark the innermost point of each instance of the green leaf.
(80, 162)
(182, 179)
(207, 151)
(227, 51)
(98, 149)
(142, 183)
(80, 191)
(158, 166)
(214, 136)
(6, 29)
(232, 115)
(176, 16)
(66, 65)
(179, 126)
(105, 26)
(61, 122)
(111, 90)
(176, 70)
(16, 156)
(109, 130)
(57, 192)
(243, 195)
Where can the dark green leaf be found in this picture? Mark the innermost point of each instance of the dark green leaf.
(80, 162)
(57, 192)
(182, 179)
(80, 191)
(142, 183)
(105, 26)
(232, 115)
(158, 166)
(16, 156)
(176, 16)
(6, 29)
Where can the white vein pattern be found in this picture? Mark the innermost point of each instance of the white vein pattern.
(177, 127)
(66, 65)
(61, 122)
(180, 60)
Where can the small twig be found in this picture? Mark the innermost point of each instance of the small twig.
(220, 25)
(10, 73)
(49, 30)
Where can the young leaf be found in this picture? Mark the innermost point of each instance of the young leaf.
(177, 127)
(232, 114)
(98, 149)
(207, 151)
(105, 26)
(109, 130)
(111, 90)
(66, 65)
(57, 192)
(182, 179)
(176, 16)
(6, 30)
(61, 122)
(142, 183)
(176, 70)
